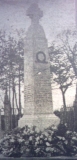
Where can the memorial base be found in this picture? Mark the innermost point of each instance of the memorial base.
(42, 121)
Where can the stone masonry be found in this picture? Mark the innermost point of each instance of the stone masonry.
(38, 108)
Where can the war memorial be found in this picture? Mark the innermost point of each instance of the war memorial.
(38, 107)
(38, 132)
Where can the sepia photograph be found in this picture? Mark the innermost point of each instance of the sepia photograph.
(38, 79)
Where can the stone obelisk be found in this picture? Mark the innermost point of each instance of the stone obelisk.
(38, 110)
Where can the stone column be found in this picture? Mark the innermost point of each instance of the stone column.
(38, 109)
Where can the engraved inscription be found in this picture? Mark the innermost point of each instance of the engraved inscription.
(28, 96)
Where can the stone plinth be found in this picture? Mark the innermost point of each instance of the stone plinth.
(38, 109)
(42, 121)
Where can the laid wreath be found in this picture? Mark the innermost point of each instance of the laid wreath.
(42, 54)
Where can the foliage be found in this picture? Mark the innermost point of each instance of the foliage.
(11, 58)
(28, 142)
(12, 67)
(63, 58)
(67, 42)
(70, 119)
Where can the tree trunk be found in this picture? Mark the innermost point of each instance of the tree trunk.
(19, 95)
(13, 95)
(15, 98)
(64, 101)
(75, 110)
(10, 104)
(64, 105)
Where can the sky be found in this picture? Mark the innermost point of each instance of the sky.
(58, 15)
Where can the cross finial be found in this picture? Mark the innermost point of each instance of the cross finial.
(34, 13)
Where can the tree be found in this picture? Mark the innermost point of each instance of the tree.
(63, 54)
(68, 46)
(11, 66)
(61, 69)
